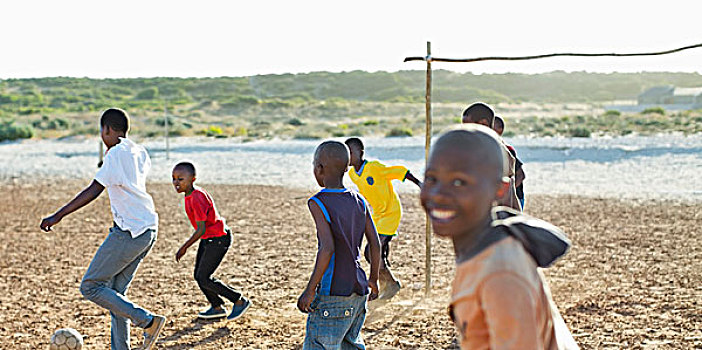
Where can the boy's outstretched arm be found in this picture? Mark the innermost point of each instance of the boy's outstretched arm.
(374, 244)
(84, 197)
(411, 177)
(324, 255)
(196, 235)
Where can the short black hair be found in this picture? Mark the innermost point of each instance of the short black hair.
(116, 118)
(187, 166)
(333, 155)
(500, 121)
(479, 111)
(354, 141)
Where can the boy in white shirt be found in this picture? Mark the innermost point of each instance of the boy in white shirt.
(112, 269)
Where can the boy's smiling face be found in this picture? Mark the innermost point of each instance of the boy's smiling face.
(460, 185)
(183, 180)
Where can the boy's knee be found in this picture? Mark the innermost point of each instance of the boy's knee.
(88, 289)
(202, 279)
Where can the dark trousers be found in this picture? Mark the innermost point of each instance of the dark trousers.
(384, 251)
(209, 255)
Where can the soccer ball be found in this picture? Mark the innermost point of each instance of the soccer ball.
(66, 339)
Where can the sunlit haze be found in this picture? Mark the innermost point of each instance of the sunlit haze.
(228, 38)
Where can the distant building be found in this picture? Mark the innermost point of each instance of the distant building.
(673, 97)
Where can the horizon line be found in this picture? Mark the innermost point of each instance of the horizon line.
(340, 72)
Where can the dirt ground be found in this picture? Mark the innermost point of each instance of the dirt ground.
(633, 278)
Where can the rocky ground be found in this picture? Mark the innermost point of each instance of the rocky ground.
(631, 280)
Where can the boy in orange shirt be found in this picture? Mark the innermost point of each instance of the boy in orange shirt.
(499, 299)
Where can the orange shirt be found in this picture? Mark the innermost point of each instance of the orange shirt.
(500, 301)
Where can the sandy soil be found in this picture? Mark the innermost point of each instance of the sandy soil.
(632, 279)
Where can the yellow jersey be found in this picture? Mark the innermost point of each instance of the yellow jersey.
(373, 180)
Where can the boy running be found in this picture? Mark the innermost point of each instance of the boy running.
(374, 181)
(483, 114)
(131, 237)
(336, 295)
(519, 176)
(215, 238)
(499, 299)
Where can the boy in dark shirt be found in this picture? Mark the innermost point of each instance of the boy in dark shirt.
(336, 295)
(519, 176)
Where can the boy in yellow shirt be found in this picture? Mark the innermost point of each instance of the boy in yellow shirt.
(499, 300)
(373, 180)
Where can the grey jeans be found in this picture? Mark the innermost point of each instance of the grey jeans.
(108, 277)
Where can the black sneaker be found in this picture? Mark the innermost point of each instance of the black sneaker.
(238, 310)
(212, 313)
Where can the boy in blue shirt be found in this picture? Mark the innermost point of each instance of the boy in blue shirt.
(336, 295)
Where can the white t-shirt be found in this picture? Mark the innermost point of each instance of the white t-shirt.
(123, 173)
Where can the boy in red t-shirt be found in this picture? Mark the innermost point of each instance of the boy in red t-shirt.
(215, 238)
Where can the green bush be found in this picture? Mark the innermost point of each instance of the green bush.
(370, 122)
(58, 124)
(11, 131)
(161, 121)
(654, 110)
(295, 122)
(241, 101)
(580, 132)
(399, 132)
(212, 131)
(278, 103)
(241, 131)
(306, 136)
(147, 94)
(612, 113)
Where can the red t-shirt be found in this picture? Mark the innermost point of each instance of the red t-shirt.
(200, 207)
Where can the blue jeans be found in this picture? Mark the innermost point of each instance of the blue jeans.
(336, 323)
(108, 277)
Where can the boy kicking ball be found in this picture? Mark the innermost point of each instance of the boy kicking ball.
(215, 239)
(131, 237)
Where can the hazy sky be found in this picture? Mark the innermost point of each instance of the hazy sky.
(237, 38)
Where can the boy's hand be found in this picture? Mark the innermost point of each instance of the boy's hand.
(181, 251)
(49, 221)
(374, 290)
(304, 303)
